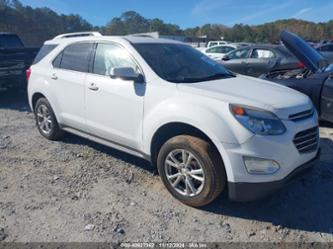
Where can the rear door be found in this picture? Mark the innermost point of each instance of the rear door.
(327, 100)
(67, 77)
(261, 61)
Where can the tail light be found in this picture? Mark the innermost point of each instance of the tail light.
(300, 65)
(28, 74)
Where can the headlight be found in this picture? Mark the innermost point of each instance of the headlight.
(258, 121)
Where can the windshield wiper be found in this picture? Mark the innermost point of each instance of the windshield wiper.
(210, 77)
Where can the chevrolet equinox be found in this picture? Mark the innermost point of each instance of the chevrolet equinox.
(203, 127)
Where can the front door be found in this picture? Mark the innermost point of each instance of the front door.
(237, 61)
(261, 61)
(114, 107)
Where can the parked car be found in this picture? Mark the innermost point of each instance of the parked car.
(327, 51)
(322, 42)
(315, 80)
(14, 61)
(256, 60)
(162, 100)
(217, 52)
(216, 43)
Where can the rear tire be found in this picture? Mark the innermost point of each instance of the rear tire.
(192, 170)
(46, 121)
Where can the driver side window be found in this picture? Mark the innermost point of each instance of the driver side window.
(239, 54)
(109, 56)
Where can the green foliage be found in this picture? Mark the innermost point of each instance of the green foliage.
(269, 32)
(131, 22)
(35, 26)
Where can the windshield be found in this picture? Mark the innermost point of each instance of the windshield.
(10, 41)
(180, 63)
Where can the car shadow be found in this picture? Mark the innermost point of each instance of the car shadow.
(326, 124)
(305, 204)
(125, 157)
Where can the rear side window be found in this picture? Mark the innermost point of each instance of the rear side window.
(57, 61)
(44, 51)
(75, 57)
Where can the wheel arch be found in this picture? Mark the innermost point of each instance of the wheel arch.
(39, 94)
(172, 129)
(35, 97)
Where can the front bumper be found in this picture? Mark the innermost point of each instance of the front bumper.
(248, 191)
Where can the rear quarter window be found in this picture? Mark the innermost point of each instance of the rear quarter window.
(57, 61)
(285, 52)
(44, 51)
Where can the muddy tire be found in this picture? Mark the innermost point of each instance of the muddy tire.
(192, 170)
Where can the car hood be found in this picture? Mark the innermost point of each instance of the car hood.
(253, 92)
(311, 58)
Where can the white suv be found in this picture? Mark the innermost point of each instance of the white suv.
(204, 128)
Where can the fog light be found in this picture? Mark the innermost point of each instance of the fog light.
(259, 166)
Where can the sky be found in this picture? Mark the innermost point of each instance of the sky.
(191, 13)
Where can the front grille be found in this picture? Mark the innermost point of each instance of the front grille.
(307, 141)
(301, 115)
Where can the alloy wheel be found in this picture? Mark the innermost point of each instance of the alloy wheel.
(184, 172)
(44, 119)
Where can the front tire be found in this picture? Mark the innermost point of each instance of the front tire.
(46, 121)
(191, 170)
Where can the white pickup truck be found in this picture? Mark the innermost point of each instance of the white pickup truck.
(204, 128)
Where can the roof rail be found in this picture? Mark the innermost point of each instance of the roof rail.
(77, 34)
(149, 35)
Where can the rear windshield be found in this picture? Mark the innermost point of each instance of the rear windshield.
(44, 51)
(285, 52)
(180, 63)
(10, 41)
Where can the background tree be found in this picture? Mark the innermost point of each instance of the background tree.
(35, 25)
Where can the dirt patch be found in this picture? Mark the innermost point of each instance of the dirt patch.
(76, 190)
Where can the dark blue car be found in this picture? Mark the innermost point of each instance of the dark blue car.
(315, 80)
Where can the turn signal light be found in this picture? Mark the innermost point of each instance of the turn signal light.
(28, 74)
(238, 110)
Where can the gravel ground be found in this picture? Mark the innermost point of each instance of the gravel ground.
(77, 190)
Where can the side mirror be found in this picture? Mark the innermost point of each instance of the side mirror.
(125, 73)
(225, 58)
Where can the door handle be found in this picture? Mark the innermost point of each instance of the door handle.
(93, 87)
(54, 76)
